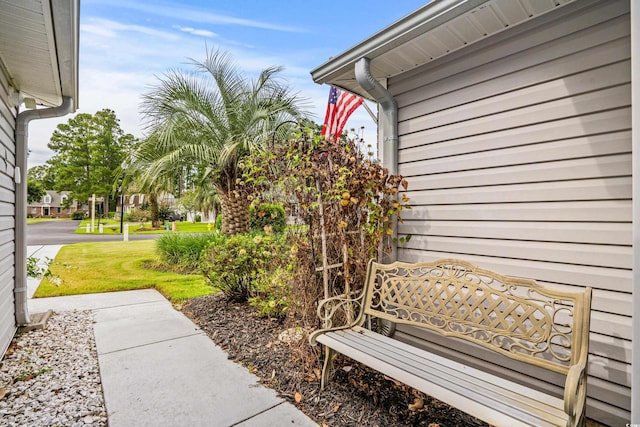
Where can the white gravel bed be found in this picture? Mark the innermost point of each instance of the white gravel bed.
(51, 376)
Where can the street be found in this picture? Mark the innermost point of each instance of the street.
(60, 232)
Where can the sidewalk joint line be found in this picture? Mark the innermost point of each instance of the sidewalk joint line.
(154, 342)
(259, 413)
(127, 305)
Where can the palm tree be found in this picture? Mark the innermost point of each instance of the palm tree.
(136, 178)
(213, 118)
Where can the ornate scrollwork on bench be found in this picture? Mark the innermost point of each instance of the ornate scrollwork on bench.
(514, 316)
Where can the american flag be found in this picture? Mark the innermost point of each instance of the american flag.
(341, 105)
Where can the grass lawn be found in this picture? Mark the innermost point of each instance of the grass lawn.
(111, 226)
(36, 220)
(86, 268)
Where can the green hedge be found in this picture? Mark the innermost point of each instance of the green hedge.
(266, 215)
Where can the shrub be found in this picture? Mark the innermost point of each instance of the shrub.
(272, 293)
(265, 215)
(236, 263)
(183, 252)
(77, 215)
(218, 223)
(138, 215)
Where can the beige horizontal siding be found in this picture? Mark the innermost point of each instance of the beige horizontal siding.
(7, 216)
(586, 126)
(518, 158)
(586, 211)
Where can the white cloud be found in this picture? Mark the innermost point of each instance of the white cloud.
(187, 13)
(108, 28)
(196, 32)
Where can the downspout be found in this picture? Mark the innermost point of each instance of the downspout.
(635, 159)
(387, 125)
(22, 149)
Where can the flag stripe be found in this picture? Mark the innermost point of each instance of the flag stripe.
(340, 106)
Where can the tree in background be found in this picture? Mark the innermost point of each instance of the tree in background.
(44, 175)
(35, 190)
(89, 149)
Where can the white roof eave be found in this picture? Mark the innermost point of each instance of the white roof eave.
(437, 29)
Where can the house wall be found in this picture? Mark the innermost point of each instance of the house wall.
(518, 157)
(7, 213)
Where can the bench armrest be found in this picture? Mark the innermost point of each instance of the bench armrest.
(344, 309)
(575, 391)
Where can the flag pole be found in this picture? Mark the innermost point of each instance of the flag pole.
(373, 116)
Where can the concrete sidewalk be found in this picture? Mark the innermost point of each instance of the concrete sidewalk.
(159, 369)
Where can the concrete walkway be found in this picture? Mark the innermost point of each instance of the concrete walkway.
(159, 369)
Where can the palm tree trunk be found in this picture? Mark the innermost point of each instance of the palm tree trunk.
(155, 212)
(235, 213)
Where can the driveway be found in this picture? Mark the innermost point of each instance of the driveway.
(60, 232)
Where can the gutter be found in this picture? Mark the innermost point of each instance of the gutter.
(387, 124)
(20, 178)
(427, 18)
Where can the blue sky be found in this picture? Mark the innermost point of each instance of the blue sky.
(125, 45)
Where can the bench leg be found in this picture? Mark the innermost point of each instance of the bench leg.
(329, 357)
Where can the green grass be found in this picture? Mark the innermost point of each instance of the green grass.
(86, 268)
(111, 226)
(36, 220)
(193, 227)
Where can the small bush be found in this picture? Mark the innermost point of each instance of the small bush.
(235, 264)
(182, 252)
(272, 293)
(77, 215)
(218, 223)
(267, 215)
(138, 215)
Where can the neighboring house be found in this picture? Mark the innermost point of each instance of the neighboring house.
(54, 205)
(514, 124)
(38, 66)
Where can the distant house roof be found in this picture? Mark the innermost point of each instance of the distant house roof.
(55, 199)
(431, 32)
(39, 49)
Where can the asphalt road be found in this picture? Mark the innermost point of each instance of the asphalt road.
(60, 232)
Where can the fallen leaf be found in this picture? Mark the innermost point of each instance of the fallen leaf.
(335, 408)
(298, 397)
(417, 404)
(3, 393)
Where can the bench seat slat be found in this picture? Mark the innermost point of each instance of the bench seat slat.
(395, 348)
(485, 396)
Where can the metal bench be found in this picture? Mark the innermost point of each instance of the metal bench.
(515, 317)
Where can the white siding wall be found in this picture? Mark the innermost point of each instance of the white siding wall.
(7, 213)
(518, 157)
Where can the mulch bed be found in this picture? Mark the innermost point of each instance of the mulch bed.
(356, 395)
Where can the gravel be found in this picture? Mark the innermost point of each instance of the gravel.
(50, 377)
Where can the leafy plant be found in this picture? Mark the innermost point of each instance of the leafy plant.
(29, 375)
(235, 264)
(349, 202)
(35, 270)
(272, 293)
(183, 252)
(267, 215)
(77, 215)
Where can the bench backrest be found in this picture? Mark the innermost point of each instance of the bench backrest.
(516, 317)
